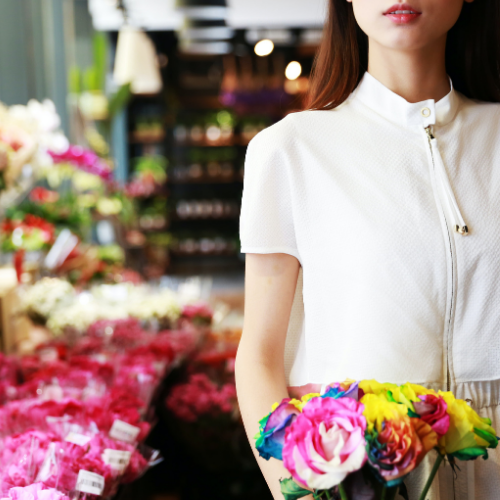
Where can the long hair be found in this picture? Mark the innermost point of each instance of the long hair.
(472, 55)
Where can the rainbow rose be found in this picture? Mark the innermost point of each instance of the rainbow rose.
(271, 435)
(325, 442)
(347, 389)
(406, 394)
(469, 435)
(397, 443)
(433, 410)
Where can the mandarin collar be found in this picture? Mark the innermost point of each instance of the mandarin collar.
(395, 108)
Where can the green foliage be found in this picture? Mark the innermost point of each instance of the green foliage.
(161, 239)
(65, 212)
(75, 80)
(111, 254)
(291, 490)
(90, 79)
(100, 51)
(119, 100)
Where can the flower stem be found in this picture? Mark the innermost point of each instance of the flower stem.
(432, 475)
(343, 494)
(384, 491)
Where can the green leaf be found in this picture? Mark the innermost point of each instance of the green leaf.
(403, 491)
(119, 100)
(100, 51)
(491, 439)
(470, 453)
(291, 490)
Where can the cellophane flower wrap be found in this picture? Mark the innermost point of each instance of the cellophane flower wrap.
(381, 430)
(35, 491)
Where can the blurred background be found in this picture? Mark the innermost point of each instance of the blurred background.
(123, 131)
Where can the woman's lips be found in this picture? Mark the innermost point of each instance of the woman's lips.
(402, 13)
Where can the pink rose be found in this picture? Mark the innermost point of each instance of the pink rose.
(432, 409)
(326, 442)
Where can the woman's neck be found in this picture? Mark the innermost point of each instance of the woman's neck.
(414, 75)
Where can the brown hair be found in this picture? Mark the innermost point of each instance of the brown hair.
(472, 54)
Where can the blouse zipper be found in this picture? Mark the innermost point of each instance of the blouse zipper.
(459, 225)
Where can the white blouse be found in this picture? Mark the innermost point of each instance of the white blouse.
(375, 198)
(393, 211)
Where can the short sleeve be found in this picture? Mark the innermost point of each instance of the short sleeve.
(266, 218)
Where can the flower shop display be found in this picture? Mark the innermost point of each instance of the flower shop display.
(381, 432)
(76, 413)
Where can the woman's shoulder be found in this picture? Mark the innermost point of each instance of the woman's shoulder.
(296, 125)
(481, 109)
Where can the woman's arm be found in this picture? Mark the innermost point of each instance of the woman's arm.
(270, 282)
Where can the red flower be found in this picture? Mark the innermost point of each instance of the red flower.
(42, 195)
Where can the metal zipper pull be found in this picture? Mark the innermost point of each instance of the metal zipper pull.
(458, 221)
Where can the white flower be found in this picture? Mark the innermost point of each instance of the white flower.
(80, 315)
(45, 296)
(162, 304)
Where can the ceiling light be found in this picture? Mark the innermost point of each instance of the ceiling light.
(293, 70)
(264, 47)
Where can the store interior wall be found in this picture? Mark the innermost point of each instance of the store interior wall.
(39, 41)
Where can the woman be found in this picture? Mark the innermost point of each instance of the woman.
(381, 204)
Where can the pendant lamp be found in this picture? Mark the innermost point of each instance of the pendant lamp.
(204, 30)
(136, 61)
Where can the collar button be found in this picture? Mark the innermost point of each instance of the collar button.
(425, 112)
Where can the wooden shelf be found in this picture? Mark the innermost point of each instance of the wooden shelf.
(205, 180)
(206, 144)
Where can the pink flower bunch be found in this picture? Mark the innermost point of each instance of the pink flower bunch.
(200, 313)
(70, 458)
(22, 455)
(36, 491)
(19, 416)
(200, 397)
(98, 368)
(85, 160)
(182, 342)
(88, 346)
(139, 378)
(8, 377)
(118, 404)
(74, 378)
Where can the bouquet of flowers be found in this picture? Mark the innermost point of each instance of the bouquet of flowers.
(368, 434)
(44, 297)
(30, 233)
(27, 133)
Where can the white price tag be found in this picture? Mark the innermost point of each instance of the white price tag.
(48, 355)
(90, 482)
(52, 392)
(116, 459)
(79, 439)
(124, 432)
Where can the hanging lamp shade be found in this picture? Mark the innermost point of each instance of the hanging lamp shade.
(136, 62)
(204, 30)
